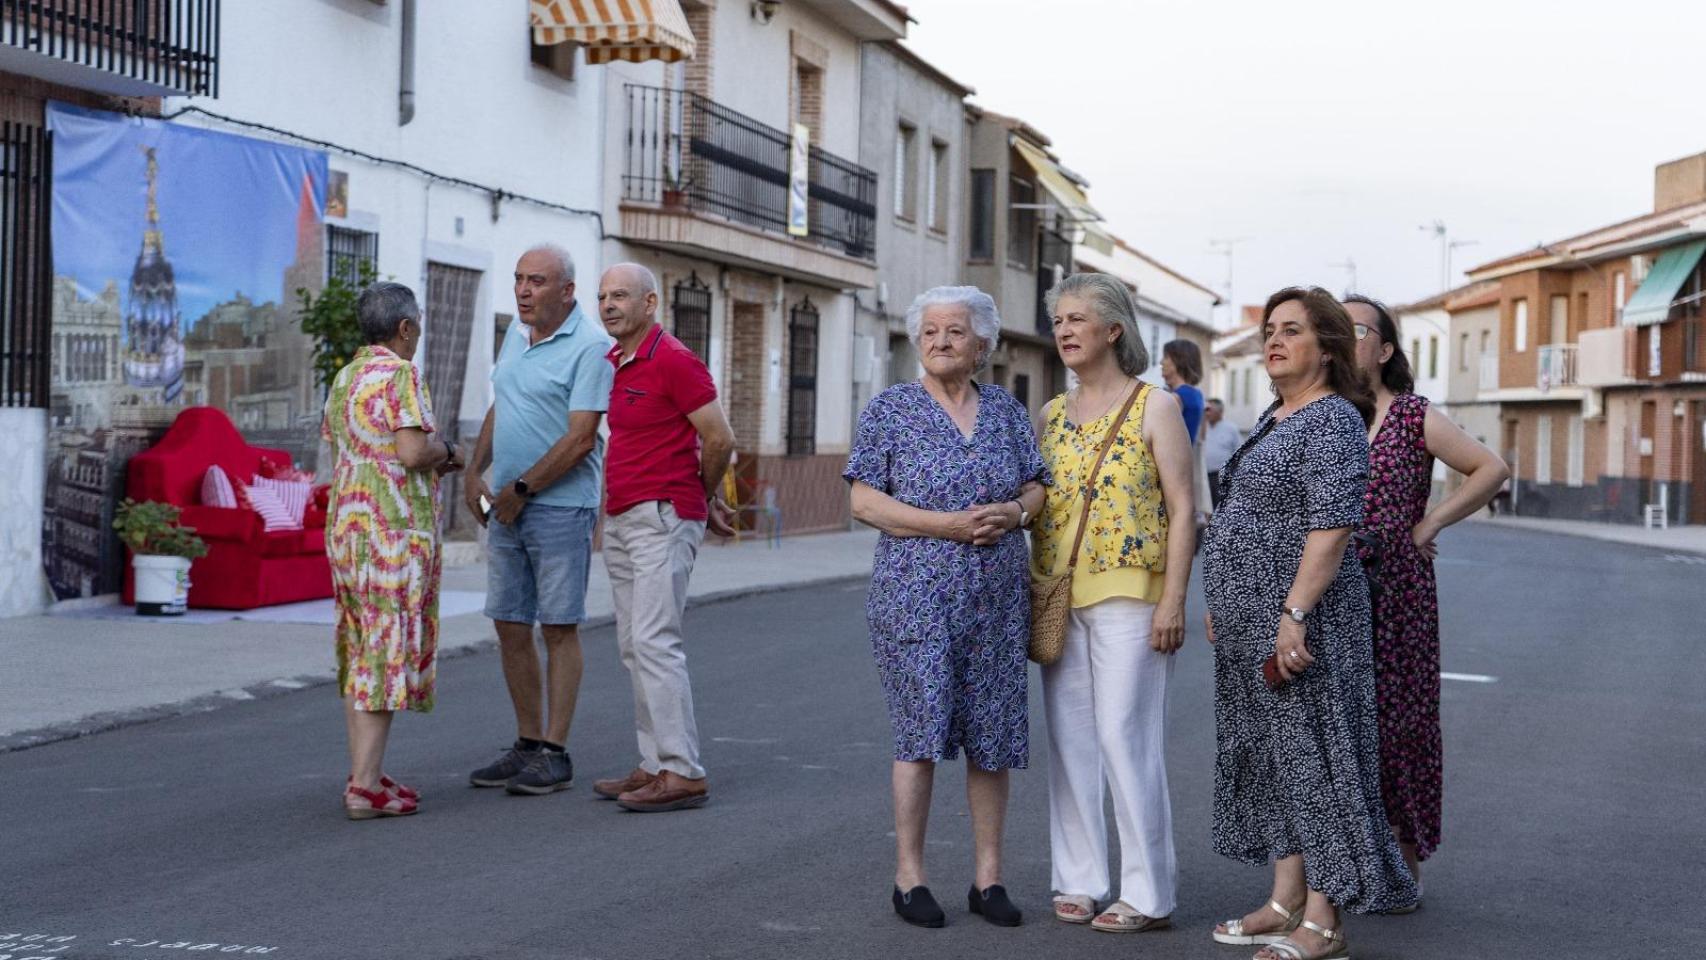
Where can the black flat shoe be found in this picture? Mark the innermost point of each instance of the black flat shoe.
(992, 904)
(919, 908)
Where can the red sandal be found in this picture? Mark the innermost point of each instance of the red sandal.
(400, 789)
(362, 804)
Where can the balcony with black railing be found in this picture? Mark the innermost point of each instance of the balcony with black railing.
(687, 153)
(126, 47)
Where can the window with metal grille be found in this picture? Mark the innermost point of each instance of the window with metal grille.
(347, 250)
(690, 313)
(802, 379)
(26, 266)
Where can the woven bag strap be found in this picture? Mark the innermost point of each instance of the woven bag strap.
(1090, 481)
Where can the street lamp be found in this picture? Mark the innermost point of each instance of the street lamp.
(765, 10)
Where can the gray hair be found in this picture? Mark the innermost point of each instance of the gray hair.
(979, 306)
(1115, 307)
(382, 308)
(565, 262)
(648, 281)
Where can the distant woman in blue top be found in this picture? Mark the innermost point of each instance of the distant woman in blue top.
(1181, 368)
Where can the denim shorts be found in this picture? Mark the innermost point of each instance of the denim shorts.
(536, 569)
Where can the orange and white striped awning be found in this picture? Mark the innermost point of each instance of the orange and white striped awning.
(632, 30)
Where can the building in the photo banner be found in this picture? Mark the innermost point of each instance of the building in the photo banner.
(1602, 364)
(730, 177)
(914, 138)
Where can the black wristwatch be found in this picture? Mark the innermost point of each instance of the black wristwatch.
(521, 488)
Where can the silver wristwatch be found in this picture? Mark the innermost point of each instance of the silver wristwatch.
(1297, 614)
(1024, 515)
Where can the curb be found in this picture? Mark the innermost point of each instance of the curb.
(268, 689)
(1537, 525)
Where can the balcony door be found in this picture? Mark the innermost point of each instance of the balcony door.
(1559, 321)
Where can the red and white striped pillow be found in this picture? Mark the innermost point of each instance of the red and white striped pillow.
(216, 490)
(281, 503)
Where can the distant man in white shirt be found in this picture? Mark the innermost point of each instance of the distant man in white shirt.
(1220, 441)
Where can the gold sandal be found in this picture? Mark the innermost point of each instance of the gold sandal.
(1236, 936)
(1287, 948)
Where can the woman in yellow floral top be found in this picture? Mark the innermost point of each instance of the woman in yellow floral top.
(382, 538)
(1106, 698)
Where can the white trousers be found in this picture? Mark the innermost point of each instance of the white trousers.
(649, 553)
(1106, 702)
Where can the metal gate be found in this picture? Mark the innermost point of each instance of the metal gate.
(26, 265)
(450, 300)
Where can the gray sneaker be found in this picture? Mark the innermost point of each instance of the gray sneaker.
(546, 772)
(499, 772)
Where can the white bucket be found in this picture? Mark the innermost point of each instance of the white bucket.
(162, 585)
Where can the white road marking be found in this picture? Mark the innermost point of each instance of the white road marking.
(289, 684)
(1469, 677)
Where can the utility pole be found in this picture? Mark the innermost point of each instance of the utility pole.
(1446, 247)
(1349, 265)
(1225, 247)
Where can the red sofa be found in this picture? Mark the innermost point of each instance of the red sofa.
(245, 566)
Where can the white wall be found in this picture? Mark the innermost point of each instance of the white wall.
(1425, 327)
(753, 69)
(23, 477)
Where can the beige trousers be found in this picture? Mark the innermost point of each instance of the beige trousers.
(649, 553)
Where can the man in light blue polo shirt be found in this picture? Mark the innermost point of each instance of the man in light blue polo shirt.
(552, 385)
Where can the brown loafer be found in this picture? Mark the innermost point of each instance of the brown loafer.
(611, 789)
(666, 791)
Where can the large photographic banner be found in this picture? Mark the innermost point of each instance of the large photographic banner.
(177, 254)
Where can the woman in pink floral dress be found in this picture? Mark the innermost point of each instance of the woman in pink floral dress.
(382, 538)
(1397, 542)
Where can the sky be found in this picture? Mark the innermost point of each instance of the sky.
(227, 204)
(1317, 133)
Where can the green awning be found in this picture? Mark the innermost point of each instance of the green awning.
(1651, 302)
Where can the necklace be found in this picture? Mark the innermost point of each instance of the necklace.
(1078, 403)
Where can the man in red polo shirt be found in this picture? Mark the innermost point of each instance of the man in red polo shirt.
(669, 448)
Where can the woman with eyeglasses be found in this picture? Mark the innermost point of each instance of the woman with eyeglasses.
(1397, 541)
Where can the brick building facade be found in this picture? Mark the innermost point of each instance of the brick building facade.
(1601, 363)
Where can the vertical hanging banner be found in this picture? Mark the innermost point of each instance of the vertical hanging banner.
(799, 180)
(177, 256)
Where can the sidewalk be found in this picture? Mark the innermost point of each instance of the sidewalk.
(1689, 539)
(92, 669)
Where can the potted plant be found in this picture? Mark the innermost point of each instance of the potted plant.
(675, 185)
(162, 551)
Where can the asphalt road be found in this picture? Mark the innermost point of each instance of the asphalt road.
(1576, 784)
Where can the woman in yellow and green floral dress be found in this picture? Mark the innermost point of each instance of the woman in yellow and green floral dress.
(382, 538)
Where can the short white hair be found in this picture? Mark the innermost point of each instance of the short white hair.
(564, 262)
(647, 280)
(979, 307)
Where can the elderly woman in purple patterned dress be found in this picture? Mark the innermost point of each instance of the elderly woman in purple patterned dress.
(948, 469)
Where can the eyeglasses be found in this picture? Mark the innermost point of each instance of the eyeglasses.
(1362, 330)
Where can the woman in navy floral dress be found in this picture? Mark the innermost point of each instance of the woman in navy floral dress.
(948, 470)
(1406, 437)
